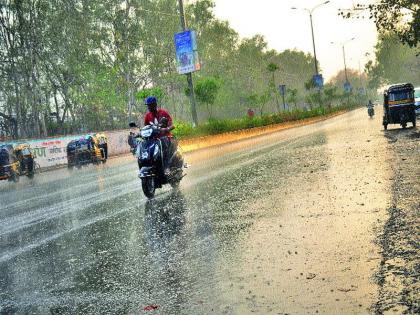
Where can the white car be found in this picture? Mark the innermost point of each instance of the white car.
(417, 99)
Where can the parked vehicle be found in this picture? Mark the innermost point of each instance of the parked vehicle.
(399, 105)
(151, 153)
(417, 100)
(84, 151)
(16, 161)
(9, 164)
(26, 159)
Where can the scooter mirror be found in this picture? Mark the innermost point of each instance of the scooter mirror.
(132, 124)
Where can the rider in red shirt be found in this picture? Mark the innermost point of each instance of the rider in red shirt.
(155, 116)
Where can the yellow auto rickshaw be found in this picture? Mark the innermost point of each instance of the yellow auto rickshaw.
(9, 164)
(399, 105)
(26, 159)
(85, 150)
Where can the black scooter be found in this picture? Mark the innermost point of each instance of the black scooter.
(150, 157)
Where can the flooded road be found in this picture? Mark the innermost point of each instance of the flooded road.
(283, 223)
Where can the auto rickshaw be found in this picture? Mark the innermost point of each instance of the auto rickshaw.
(102, 142)
(9, 164)
(84, 151)
(399, 105)
(25, 156)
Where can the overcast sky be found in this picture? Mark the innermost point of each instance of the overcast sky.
(284, 28)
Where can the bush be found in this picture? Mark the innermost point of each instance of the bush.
(217, 126)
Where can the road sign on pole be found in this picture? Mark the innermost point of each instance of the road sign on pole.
(186, 52)
(347, 87)
(282, 89)
(318, 81)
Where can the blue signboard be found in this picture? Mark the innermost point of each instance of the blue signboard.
(282, 89)
(186, 52)
(318, 81)
(347, 87)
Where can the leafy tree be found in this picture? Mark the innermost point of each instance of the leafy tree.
(72, 66)
(330, 94)
(292, 96)
(272, 68)
(355, 78)
(395, 62)
(258, 100)
(313, 98)
(399, 17)
(206, 91)
(145, 93)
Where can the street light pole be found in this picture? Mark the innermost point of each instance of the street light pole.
(345, 66)
(189, 75)
(344, 57)
(310, 11)
(313, 43)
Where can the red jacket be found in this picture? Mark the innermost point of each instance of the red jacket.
(151, 119)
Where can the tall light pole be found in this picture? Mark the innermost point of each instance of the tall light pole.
(189, 75)
(344, 56)
(310, 11)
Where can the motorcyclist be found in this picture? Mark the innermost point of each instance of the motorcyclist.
(132, 141)
(370, 108)
(156, 116)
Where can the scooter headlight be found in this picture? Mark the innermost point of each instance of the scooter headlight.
(146, 132)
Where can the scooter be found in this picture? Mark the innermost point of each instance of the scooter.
(150, 157)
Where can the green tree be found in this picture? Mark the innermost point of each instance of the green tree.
(206, 90)
(394, 63)
(272, 68)
(330, 94)
(292, 96)
(258, 100)
(398, 17)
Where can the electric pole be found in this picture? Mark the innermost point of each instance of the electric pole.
(189, 75)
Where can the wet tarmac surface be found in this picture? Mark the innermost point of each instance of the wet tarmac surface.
(284, 223)
(399, 273)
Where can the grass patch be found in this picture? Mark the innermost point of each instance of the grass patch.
(216, 126)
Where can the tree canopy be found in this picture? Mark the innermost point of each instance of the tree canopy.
(398, 17)
(85, 65)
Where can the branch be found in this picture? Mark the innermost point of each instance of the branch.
(9, 118)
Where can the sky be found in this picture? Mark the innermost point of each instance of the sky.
(284, 28)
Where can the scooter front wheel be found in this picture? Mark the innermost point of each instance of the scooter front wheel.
(148, 186)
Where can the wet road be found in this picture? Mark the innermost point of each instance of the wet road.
(283, 223)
